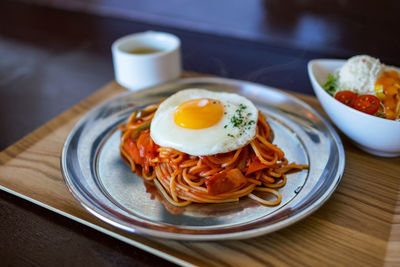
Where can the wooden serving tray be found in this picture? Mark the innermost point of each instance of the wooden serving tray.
(359, 225)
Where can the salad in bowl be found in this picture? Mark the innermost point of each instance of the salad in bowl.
(367, 85)
(362, 98)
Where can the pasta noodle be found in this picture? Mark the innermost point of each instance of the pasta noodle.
(183, 179)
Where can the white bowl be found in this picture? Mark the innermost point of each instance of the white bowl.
(372, 134)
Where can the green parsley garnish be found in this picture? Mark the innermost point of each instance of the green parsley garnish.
(240, 120)
(331, 84)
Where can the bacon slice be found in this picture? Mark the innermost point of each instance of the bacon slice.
(225, 181)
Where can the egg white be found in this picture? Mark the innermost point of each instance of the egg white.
(220, 138)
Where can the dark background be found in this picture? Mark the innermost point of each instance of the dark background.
(55, 53)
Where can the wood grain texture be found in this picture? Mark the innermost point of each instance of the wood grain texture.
(359, 225)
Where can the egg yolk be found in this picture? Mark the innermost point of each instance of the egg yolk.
(199, 113)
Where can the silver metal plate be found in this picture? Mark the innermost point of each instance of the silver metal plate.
(104, 184)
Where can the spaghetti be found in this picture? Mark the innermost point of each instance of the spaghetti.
(183, 178)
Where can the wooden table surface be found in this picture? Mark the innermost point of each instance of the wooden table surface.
(53, 58)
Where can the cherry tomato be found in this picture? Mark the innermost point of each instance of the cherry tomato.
(367, 103)
(346, 97)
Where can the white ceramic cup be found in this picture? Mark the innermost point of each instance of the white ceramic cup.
(138, 71)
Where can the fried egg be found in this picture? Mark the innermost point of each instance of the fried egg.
(201, 122)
